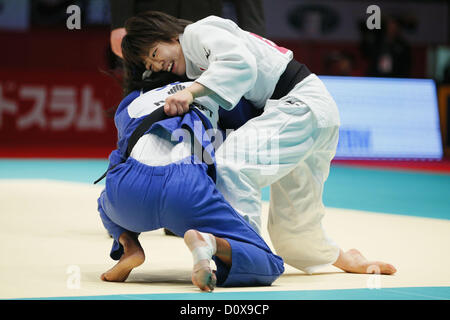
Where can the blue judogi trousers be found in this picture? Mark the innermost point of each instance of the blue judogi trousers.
(182, 196)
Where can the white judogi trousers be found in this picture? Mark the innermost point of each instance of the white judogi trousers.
(287, 148)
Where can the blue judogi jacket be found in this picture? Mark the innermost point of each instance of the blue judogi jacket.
(126, 125)
(180, 196)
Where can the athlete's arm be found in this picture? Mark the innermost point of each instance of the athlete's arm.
(230, 69)
(178, 103)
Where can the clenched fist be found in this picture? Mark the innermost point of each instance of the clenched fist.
(178, 103)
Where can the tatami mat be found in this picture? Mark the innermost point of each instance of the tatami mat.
(51, 232)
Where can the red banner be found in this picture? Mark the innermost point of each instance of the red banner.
(61, 114)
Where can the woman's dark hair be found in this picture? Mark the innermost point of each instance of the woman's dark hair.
(143, 31)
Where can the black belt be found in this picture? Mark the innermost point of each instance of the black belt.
(159, 115)
(294, 73)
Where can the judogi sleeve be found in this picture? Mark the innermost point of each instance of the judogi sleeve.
(231, 67)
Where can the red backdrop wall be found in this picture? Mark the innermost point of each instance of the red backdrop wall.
(53, 90)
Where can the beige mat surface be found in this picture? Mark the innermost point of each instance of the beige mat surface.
(53, 244)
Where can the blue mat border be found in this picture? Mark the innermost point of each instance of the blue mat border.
(396, 293)
(408, 193)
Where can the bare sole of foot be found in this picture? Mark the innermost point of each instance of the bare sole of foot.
(129, 260)
(353, 261)
(202, 275)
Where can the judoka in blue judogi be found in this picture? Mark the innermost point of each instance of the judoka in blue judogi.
(167, 180)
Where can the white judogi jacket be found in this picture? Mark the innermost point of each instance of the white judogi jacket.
(235, 63)
(232, 62)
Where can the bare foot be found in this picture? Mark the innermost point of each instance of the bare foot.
(202, 275)
(132, 257)
(354, 262)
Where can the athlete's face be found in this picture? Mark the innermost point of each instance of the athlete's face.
(166, 56)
